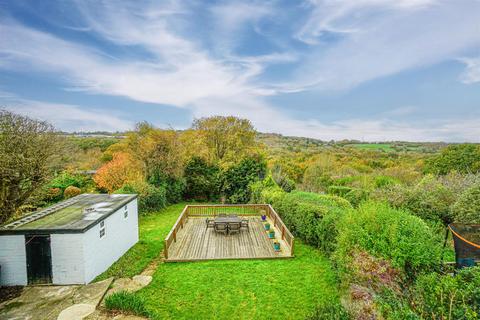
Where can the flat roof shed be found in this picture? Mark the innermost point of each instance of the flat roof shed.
(70, 242)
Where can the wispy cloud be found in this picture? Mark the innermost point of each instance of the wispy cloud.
(345, 43)
(68, 117)
(472, 70)
(381, 38)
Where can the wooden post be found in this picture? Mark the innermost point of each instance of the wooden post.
(283, 232)
(165, 249)
(175, 235)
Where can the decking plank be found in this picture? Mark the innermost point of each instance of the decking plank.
(196, 242)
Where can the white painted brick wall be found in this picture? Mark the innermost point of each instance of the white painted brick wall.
(76, 258)
(13, 260)
(67, 258)
(121, 234)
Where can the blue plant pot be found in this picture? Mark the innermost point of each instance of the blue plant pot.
(264, 218)
(267, 227)
(271, 235)
(276, 246)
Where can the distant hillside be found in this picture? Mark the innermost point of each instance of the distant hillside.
(277, 143)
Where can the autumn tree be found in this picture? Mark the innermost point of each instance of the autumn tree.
(122, 169)
(27, 148)
(228, 139)
(158, 150)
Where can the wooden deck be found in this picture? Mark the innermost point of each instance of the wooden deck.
(194, 242)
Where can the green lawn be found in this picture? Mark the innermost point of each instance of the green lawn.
(231, 289)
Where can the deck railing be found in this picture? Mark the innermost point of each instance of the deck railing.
(278, 223)
(239, 209)
(172, 235)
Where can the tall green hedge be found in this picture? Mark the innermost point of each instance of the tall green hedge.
(389, 233)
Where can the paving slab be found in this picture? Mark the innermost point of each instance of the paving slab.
(76, 312)
(47, 302)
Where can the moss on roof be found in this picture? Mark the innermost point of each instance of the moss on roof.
(73, 215)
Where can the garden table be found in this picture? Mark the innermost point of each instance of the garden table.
(230, 219)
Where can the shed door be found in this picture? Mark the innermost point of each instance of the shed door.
(39, 259)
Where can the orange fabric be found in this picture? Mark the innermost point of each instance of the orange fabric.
(463, 239)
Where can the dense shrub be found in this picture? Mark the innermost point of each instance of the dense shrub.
(175, 188)
(53, 194)
(150, 198)
(126, 301)
(310, 216)
(356, 196)
(236, 179)
(430, 199)
(383, 181)
(71, 191)
(467, 207)
(464, 158)
(66, 179)
(340, 191)
(202, 180)
(391, 234)
(438, 296)
(282, 179)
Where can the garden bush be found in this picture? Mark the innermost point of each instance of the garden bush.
(437, 296)
(430, 199)
(150, 198)
(356, 196)
(236, 179)
(265, 191)
(174, 190)
(311, 216)
(391, 234)
(53, 194)
(467, 207)
(71, 191)
(202, 180)
(66, 179)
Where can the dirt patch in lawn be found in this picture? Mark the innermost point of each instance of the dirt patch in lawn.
(8, 293)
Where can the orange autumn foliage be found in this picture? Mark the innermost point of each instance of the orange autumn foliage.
(122, 169)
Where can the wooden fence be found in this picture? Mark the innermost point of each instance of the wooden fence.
(238, 209)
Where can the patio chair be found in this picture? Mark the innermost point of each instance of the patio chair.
(244, 224)
(233, 227)
(210, 223)
(221, 227)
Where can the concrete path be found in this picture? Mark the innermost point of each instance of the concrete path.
(55, 302)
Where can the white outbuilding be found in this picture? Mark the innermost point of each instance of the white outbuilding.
(71, 242)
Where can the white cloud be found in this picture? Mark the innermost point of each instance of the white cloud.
(472, 70)
(378, 38)
(347, 16)
(382, 38)
(69, 117)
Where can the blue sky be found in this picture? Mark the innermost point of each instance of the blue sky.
(329, 69)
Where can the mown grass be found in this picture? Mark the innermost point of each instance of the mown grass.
(154, 227)
(242, 289)
(230, 289)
